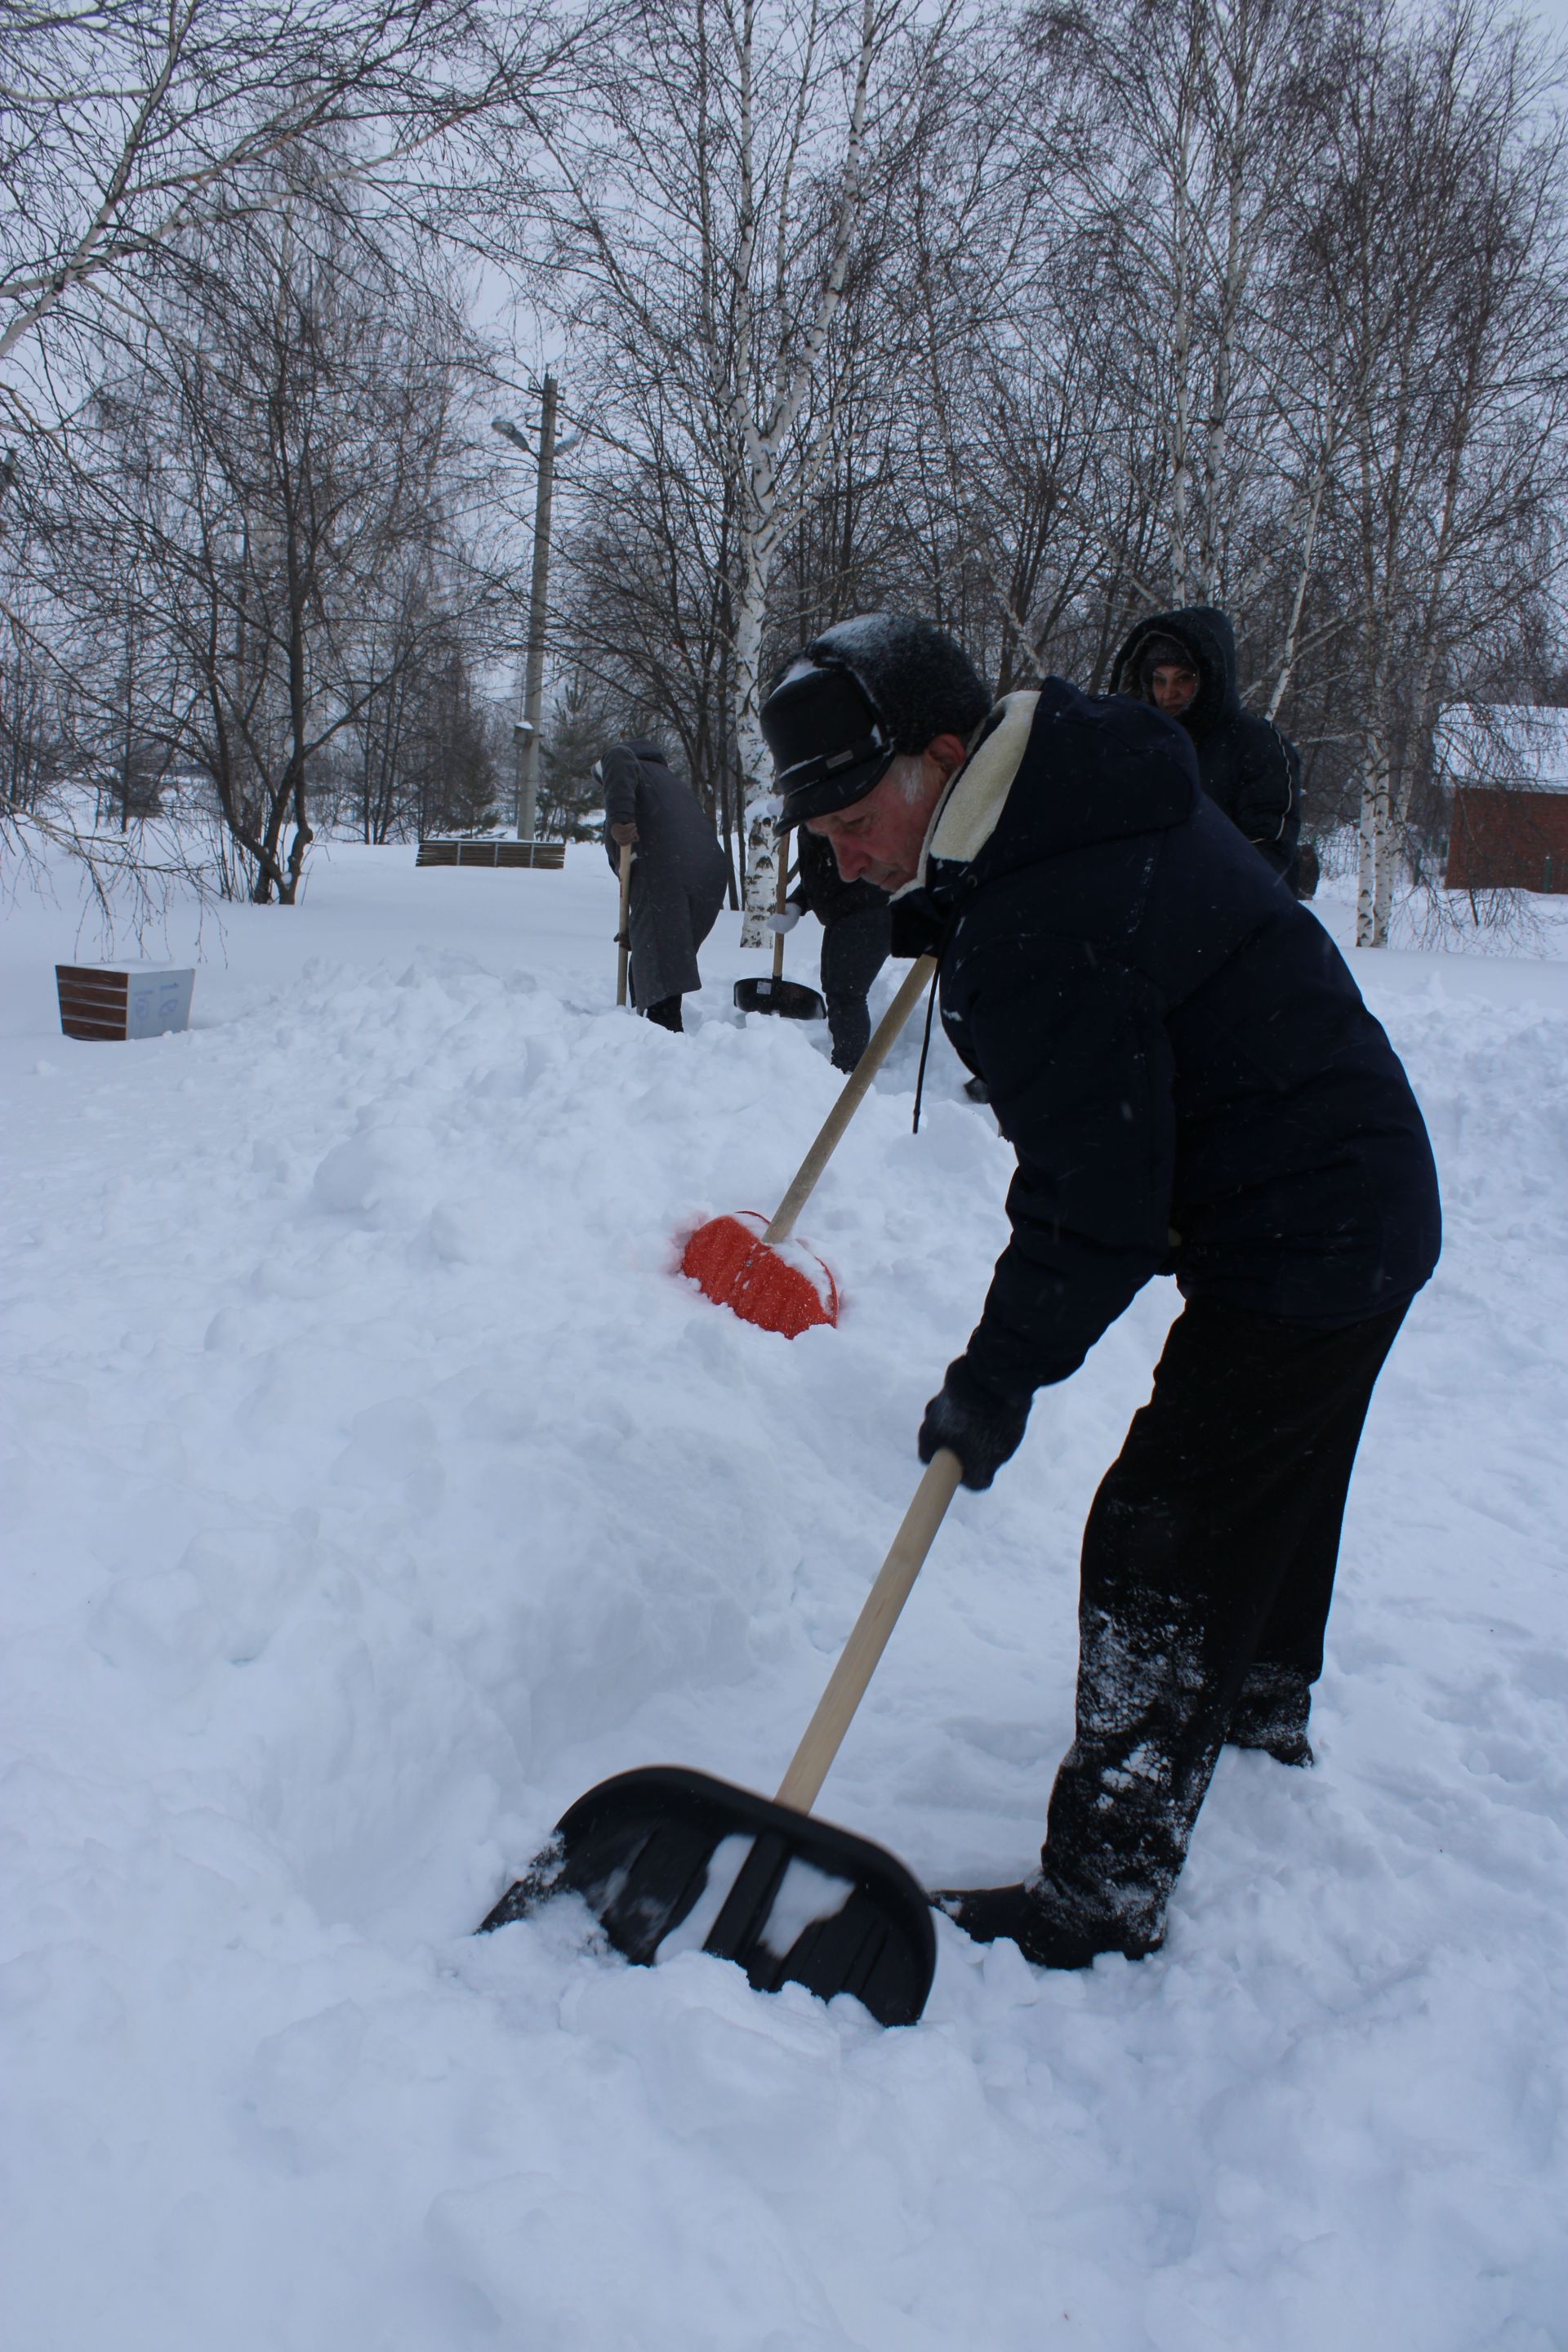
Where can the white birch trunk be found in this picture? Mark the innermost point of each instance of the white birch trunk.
(1217, 447)
(1182, 360)
(1374, 881)
(1288, 658)
(1385, 859)
(756, 782)
(767, 500)
(1366, 866)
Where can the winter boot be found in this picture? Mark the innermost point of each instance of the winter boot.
(1270, 1712)
(665, 1013)
(1050, 1930)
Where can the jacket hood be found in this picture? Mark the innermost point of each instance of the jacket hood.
(1055, 772)
(1208, 636)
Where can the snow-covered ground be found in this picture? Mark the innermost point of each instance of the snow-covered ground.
(372, 1487)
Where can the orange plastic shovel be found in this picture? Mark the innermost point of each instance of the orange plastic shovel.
(739, 1260)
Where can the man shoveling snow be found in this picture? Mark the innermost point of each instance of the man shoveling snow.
(1192, 1082)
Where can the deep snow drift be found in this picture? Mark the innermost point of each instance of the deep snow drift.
(372, 1487)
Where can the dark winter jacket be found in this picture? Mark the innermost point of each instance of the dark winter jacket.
(821, 890)
(1174, 1048)
(1244, 762)
(678, 873)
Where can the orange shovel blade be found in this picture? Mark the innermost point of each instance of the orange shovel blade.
(729, 1259)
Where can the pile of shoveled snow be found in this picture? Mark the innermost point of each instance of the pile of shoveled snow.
(373, 1486)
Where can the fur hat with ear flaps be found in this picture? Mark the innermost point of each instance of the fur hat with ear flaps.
(855, 698)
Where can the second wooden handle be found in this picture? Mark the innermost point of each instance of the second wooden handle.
(855, 1087)
(621, 932)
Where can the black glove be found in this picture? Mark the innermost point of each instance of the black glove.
(981, 1426)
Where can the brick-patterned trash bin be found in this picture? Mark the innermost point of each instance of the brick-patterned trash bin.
(123, 1000)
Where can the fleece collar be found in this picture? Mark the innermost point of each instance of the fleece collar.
(967, 814)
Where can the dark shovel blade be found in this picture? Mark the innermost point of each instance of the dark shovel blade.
(787, 997)
(812, 1905)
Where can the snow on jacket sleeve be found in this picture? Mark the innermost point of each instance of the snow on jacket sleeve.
(1074, 1051)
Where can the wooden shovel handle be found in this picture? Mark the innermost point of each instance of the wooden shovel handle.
(621, 932)
(855, 1088)
(858, 1660)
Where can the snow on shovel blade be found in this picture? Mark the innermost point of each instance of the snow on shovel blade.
(810, 1904)
(730, 1262)
(739, 1261)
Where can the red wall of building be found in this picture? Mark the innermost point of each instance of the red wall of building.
(1508, 841)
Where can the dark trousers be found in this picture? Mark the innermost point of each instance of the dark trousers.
(1208, 1559)
(853, 949)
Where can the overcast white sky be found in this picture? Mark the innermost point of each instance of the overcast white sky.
(1554, 14)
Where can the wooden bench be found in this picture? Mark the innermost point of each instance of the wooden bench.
(550, 856)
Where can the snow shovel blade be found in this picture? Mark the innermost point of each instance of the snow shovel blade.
(812, 1905)
(735, 1267)
(788, 997)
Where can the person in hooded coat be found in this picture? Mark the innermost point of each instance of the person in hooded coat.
(678, 873)
(1192, 1085)
(1185, 663)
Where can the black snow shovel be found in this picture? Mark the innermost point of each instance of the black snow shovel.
(809, 1904)
(776, 994)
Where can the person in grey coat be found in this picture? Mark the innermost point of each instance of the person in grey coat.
(678, 873)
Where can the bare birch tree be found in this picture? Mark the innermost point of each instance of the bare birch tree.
(713, 211)
(134, 133)
(280, 448)
(1441, 280)
(644, 589)
(1204, 118)
(131, 124)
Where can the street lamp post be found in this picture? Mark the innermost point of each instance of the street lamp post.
(525, 736)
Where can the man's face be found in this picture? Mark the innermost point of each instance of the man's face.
(879, 839)
(1172, 687)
